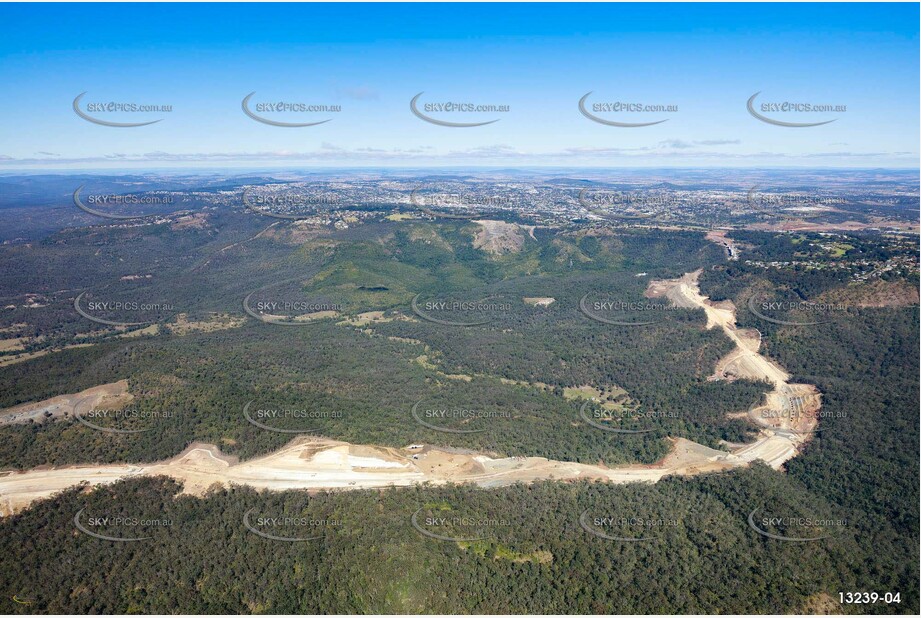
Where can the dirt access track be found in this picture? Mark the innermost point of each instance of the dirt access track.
(787, 420)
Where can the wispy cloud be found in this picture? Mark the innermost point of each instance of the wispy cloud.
(671, 149)
(682, 144)
(359, 93)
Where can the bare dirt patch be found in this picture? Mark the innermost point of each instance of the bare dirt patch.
(821, 604)
(106, 395)
(16, 344)
(197, 221)
(539, 301)
(366, 318)
(498, 237)
(215, 322)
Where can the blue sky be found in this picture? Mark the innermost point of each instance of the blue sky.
(539, 60)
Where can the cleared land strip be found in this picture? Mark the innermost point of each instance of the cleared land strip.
(329, 464)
